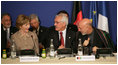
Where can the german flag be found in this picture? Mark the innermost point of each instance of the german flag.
(77, 12)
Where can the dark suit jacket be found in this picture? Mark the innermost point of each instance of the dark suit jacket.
(70, 39)
(73, 27)
(4, 37)
(98, 40)
(42, 35)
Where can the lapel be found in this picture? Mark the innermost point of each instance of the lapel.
(77, 36)
(56, 37)
(13, 30)
(52, 34)
(68, 38)
(40, 30)
(97, 38)
(11, 33)
(2, 28)
(3, 32)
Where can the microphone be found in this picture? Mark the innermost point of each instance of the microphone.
(32, 36)
(33, 42)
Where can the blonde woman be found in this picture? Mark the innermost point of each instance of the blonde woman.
(24, 39)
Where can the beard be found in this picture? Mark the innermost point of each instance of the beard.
(8, 26)
(34, 28)
(83, 33)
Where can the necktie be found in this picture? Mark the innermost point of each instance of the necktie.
(8, 39)
(37, 32)
(62, 39)
(8, 32)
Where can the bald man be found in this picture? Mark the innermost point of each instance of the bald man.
(93, 38)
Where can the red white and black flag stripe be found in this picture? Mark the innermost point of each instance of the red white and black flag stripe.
(77, 12)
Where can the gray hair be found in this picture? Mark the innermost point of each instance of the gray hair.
(34, 16)
(63, 19)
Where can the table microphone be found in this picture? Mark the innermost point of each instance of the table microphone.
(33, 42)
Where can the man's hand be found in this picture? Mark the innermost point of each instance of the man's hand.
(41, 46)
(94, 49)
(60, 47)
(86, 42)
(8, 44)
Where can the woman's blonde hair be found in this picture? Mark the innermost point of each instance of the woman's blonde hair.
(21, 20)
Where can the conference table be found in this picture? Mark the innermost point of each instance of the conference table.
(66, 60)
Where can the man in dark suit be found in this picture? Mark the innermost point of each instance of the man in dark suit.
(93, 38)
(62, 35)
(6, 31)
(41, 31)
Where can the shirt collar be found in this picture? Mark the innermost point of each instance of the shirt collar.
(22, 35)
(64, 31)
(36, 29)
(4, 28)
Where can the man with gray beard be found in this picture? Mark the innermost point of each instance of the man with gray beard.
(6, 31)
(93, 38)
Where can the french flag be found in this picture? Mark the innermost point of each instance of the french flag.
(102, 16)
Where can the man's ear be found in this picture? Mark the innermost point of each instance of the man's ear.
(64, 23)
(1, 21)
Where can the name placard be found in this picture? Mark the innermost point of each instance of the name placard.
(85, 58)
(29, 58)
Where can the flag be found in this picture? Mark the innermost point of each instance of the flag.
(77, 12)
(102, 17)
(106, 13)
(93, 13)
(98, 15)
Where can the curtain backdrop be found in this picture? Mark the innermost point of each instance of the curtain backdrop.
(46, 10)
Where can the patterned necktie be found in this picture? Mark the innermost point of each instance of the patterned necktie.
(8, 33)
(62, 39)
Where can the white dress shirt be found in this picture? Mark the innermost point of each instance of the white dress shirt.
(64, 35)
